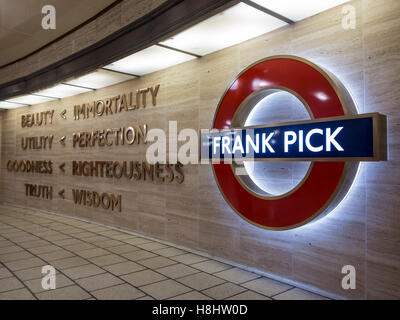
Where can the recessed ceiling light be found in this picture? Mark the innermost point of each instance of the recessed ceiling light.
(62, 91)
(298, 10)
(99, 79)
(30, 99)
(232, 26)
(10, 105)
(149, 60)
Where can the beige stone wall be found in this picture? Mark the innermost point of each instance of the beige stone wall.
(114, 19)
(364, 231)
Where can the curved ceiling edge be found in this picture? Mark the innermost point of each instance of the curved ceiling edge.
(162, 21)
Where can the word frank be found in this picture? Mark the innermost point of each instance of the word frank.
(325, 139)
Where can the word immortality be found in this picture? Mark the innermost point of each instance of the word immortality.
(117, 104)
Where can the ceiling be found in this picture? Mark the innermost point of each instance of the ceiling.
(21, 30)
(217, 32)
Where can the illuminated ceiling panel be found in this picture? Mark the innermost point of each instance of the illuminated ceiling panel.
(10, 105)
(99, 79)
(232, 26)
(30, 99)
(149, 60)
(298, 10)
(62, 91)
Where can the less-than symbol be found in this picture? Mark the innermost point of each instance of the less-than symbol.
(63, 114)
(62, 140)
(61, 166)
(61, 193)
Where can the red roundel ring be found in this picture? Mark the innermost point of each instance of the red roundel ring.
(324, 179)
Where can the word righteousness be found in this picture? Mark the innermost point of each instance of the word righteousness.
(137, 170)
(117, 104)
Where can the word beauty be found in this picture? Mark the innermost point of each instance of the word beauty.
(37, 119)
(344, 138)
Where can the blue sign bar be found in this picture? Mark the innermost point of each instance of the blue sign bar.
(351, 138)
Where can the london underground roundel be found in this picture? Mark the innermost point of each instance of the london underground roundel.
(335, 140)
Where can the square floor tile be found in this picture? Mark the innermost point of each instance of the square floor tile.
(10, 249)
(84, 235)
(56, 255)
(122, 236)
(4, 273)
(100, 281)
(35, 285)
(151, 246)
(69, 262)
(248, 295)
(145, 298)
(192, 295)
(67, 293)
(66, 243)
(56, 237)
(8, 284)
(298, 294)
(266, 286)
(124, 268)
(30, 273)
(25, 264)
(211, 266)
(111, 233)
(177, 270)
(119, 292)
(236, 275)
(200, 281)
(157, 262)
(14, 256)
(169, 252)
(45, 249)
(109, 243)
(83, 271)
(20, 294)
(124, 248)
(165, 289)
(136, 240)
(107, 260)
(139, 254)
(34, 244)
(189, 258)
(92, 253)
(96, 239)
(5, 243)
(223, 291)
(144, 277)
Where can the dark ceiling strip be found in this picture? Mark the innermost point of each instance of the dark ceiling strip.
(171, 16)
(77, 86)
(267, 11)
(178, 50)
(103, 11)
(120, 72)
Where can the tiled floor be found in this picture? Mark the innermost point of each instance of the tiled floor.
(98, 262)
